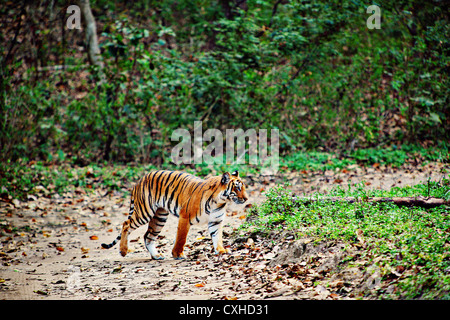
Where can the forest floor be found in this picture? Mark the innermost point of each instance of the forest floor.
(50, 248)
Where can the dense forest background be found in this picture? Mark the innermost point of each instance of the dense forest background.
(358, 207)
(312, 69)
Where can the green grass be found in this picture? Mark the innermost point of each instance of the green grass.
(415, 241)
(21, 179)
(434, 189)
(393, 156)
(314, 161)
(18, 179)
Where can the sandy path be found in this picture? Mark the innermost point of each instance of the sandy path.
(50, 248)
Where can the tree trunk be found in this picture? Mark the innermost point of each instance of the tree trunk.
(91, 34)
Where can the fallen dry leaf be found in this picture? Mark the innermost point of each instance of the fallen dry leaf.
(337, 284)
(200, 285)
(400, 269)
(117, 269)
(334, 296)
(44, 293)
(93, 237)
(360, 236)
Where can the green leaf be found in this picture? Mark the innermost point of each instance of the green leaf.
(435, 117)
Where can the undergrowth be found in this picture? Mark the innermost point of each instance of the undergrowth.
(18, 179)
(411, 246)
(313, 70)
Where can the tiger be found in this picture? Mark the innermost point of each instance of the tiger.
(191, 199)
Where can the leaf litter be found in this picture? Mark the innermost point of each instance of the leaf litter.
(45, 241)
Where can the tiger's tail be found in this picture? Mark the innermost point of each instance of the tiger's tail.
(107, 246)
(112, 244)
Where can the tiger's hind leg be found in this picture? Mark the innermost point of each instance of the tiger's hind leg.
(126, 229)
(154, 228)
(136, 218)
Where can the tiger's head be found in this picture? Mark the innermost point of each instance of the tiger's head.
(234, 188)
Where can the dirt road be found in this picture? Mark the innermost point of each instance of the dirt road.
(50, 249)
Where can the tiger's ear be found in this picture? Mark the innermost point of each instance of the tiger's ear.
(225, 178)
(235, 174)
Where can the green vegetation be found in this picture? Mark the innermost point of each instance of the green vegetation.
(396, 157)
(341, 95)
(21, 178)
(414, 242)
(312, 69)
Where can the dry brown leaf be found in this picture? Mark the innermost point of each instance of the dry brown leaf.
(93, 237)
(360, 236)
(44, 293)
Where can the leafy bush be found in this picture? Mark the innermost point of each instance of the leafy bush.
(313, 70)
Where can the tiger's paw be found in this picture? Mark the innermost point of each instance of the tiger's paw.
(221, 251)
(158, 257)
(178, 256)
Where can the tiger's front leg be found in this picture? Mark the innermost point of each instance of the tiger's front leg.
(182, 232)
(215, 230)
